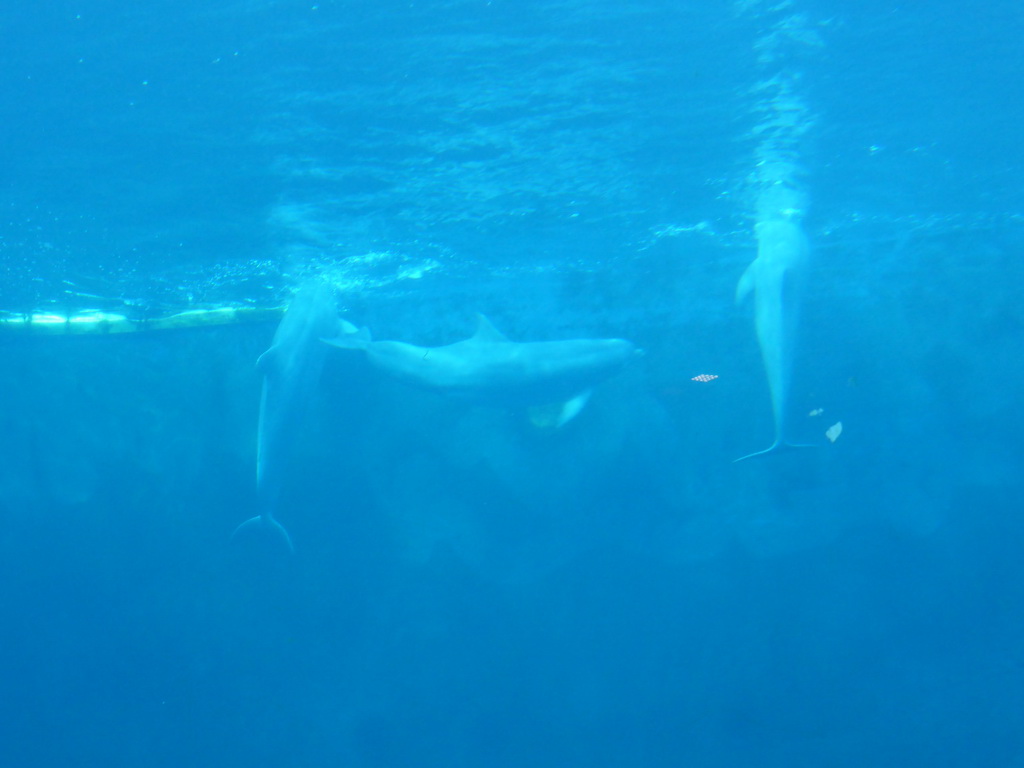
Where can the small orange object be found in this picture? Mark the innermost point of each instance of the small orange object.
(705, 377)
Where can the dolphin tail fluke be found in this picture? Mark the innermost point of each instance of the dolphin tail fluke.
(267, 530)
(779, 446)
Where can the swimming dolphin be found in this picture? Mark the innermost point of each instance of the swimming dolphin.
(776, 278)
(488, 368)
(291, 369)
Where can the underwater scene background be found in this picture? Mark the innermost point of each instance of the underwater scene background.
(473, 585)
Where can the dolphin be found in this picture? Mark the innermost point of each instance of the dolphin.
(776, 277)
(291, 369)
(487, 368)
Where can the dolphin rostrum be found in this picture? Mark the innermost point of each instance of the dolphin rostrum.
(488, 368)
(776, 278)
(291, 369)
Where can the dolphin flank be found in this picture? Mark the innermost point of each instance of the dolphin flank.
(488, 368)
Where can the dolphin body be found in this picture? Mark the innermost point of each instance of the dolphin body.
(291, 369)
(776, 279)
(487, 368)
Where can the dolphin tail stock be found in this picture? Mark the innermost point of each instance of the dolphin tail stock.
(779, 446)
(267, 529)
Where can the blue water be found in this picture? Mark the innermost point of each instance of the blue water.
(470, 589)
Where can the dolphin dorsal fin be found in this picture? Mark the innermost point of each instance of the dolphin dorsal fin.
(487, 332)
(268, 361)
(350, 337)
(345, 327)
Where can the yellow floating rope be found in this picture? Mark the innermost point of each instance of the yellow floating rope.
(101, 323)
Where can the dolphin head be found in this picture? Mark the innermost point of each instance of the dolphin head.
(620, 350)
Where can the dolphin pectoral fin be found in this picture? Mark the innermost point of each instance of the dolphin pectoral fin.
(485, 331)
(746, 283)
(779, 446)
(356, 339)
(267, 530)
(571, 408)
(555, 415)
